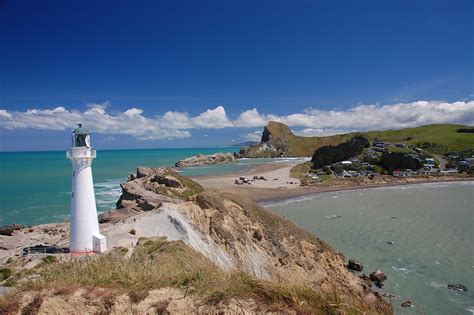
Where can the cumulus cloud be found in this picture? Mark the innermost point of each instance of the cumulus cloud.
(254, 136)
(172, 125)
(251, 118)
(213, 118)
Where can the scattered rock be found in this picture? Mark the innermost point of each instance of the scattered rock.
(457, 287)
(257, 234)
(8, 230)
(354, 265)
(170, 181)
(379, 285)
(407, 304)
(367, 280)
(390, 243)
(378, 276)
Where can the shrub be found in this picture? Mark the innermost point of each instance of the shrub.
(394, 161)
(5, 273)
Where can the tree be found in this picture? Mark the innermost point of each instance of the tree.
(331, 154)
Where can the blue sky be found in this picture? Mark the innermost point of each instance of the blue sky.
(293, 61)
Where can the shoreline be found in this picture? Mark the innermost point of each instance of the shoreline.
(276, 191)
(354, 188)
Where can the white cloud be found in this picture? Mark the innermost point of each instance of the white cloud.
(254, 136)
(172, 125)
(213, 118)
(251, 118)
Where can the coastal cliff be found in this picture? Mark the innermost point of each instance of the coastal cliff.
(279, 141)
(223, 248)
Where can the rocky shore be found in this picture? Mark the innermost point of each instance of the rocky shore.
(228, 230)
(201, 159)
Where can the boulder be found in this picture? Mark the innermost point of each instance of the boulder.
(407, 304)
(354, 265)
(171, 181)
(378, 276)
(8, 230)
(457, 287)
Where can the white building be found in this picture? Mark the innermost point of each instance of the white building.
(84, 235)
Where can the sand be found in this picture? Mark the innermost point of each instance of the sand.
(278, 187)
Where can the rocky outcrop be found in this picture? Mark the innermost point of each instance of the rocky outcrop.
(149, 188)
(253, 239)
(202, 159)
(8, 230)
(279, 141)
(378, 276)
(457, 287)
(354, 265)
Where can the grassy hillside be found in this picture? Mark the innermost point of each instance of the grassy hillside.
(115, 283)
(442, 138)
(437, 139)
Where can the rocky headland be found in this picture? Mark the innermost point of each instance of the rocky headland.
(177, 247)
(279, 141)
(202, 159)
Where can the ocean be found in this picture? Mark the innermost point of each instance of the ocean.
(35, 186)
(421, 236)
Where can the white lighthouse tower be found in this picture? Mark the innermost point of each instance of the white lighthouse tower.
(84, 236)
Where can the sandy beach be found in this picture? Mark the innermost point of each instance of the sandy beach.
(277, 185)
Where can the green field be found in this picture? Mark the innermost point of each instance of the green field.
(438, 139)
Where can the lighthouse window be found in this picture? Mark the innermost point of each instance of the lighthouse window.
(73, 173)
(72, 194)
(81, 140)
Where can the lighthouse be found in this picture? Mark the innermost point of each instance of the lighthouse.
(84, 235)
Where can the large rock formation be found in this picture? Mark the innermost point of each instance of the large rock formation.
(279, 141)
(202, 159)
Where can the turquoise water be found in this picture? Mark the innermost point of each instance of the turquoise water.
(35, 186)
(431, 226)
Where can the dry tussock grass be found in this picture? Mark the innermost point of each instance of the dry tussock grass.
(157, 263)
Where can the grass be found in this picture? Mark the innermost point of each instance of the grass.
(395, 149)
(157, 263)
(301, 171)
(437, 139)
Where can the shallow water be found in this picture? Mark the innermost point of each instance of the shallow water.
(430, 225)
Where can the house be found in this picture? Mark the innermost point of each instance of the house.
(346, 174)
(399, 173)
(379, 144)
(470, 161)
(346, 163)
(430, 161)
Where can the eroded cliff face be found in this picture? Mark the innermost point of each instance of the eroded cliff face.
(248, 237)
(279, 141)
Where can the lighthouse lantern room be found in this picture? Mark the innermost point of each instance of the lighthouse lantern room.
(84, 235)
